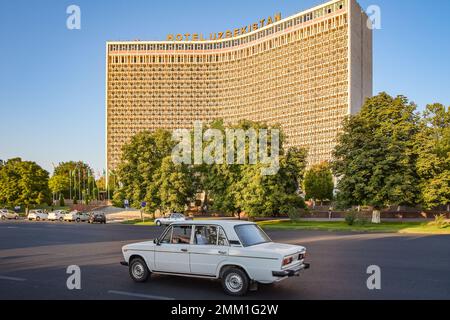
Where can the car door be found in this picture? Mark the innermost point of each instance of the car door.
(172, 252)
(209, 249)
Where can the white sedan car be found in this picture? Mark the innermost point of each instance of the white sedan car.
(240, 254)
(57, 215)
(37, 215)
(173, 217)
(8, 214)
(76, 216)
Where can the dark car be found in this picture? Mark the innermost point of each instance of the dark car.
(97, 217)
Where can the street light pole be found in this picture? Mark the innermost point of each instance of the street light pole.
(70, 185)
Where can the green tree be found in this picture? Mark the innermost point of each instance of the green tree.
(318, 183)
(269, 195)
(58, 184)
(23, 183)
(172, 186)
(375, 161)
(218, 181)
(75, 177)
(141, 159)
(433, 149)
(236, 188)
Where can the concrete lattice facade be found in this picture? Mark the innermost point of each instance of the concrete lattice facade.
(306, 72)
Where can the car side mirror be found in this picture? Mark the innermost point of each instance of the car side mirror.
(156, 241)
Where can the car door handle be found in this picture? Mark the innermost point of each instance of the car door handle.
(184, 250)
(222, 252)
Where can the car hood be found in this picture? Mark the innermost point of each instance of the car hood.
(148, 245)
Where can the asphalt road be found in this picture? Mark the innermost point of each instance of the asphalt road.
(34, 258)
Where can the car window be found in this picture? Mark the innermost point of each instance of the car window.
(222, 238)
(251, 235)
(181, 234)
(205, 236)
(167, 236)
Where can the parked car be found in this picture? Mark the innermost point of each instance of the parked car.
(57, 215)
(76, 216)
(97, 217)
(37, 215)
(240, 254)
(8, 214)
(171, 218)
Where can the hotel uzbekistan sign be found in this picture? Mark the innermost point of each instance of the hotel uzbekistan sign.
(227, 34)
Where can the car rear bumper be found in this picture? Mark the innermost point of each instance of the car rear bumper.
(295, 272)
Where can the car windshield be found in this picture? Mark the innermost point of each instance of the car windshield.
(251, 235)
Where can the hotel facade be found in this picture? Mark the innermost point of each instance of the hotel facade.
(307, 73)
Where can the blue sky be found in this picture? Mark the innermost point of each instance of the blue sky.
(52, 79)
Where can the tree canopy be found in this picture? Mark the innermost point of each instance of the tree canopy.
(318, 182)
(23, 183)
(375, 160)
(147, 172)
(73, 179)
(433, 149)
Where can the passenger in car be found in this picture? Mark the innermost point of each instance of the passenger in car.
(199, 238)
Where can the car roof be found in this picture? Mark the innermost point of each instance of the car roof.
(231, 223)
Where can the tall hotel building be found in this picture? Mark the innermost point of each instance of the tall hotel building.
(307, 73)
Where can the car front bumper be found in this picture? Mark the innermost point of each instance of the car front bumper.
(294, 272)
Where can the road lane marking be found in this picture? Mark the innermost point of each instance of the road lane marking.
(12, 278)
(138, 295)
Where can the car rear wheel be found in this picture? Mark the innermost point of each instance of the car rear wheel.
(235, 282)
(16, 218)
(158, 223)
(3, 218)
(61, 219)
(38, 218)
(78, 220)
(139, 271)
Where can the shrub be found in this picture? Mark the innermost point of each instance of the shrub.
(350, 218)
(118, 199)
(440, 221)
(294, 214)
(362, 220)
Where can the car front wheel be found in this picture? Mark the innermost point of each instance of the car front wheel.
(16, 218)
(78, 220)
(3, 218)
(235, 282)
(61, 219)
(38, 219)
(139, 271)
(158, 223)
